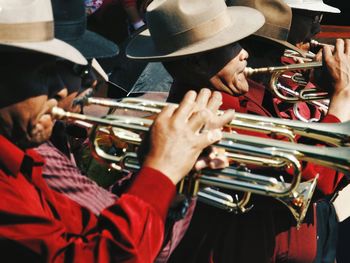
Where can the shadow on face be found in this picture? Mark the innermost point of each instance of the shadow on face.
(30, 88)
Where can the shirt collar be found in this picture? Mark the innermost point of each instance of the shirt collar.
(11, 157)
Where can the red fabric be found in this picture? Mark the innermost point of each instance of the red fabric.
(50, 226)
(284, 109)
(295, 244)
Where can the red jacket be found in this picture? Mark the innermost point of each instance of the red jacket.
(39, 224)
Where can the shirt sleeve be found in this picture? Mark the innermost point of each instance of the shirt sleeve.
(59, 230)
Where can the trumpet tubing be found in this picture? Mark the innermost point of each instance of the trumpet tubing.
(280, 69)
(240, 149)
(331, 133)
(308, 95)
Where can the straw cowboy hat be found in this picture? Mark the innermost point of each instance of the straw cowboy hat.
(70, 26)
(278, 17)
(182, 27)
(312, 5)
(28, 24)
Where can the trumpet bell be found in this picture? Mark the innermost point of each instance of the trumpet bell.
(299, 200)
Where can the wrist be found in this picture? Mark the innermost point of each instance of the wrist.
(339, 104)
(164, 167)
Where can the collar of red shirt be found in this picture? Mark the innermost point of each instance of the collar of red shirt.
(11, 157)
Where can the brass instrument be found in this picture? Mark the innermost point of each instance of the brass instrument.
(308, 56)
(276, 72)
(337, 134)
(315, 43)
(241, 149)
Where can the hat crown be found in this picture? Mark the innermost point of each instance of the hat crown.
(26, 11)
(70, 19)
(168, 19)
(303, 1)
(312, 5)
(65, 11)
(278, 16)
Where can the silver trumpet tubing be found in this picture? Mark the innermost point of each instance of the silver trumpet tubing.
(278, 71)
(337, 134)
(241, 150)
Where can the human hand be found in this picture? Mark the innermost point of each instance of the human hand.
(179, 135)
(213, 158)
(338, 68)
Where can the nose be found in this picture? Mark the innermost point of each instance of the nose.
(243, 55)
(61, 94)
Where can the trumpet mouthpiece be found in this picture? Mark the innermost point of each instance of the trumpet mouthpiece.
(58, 113)
(248, 71)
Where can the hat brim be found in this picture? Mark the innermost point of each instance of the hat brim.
(318, 7)
(286, 45)
(142, 47)
(53, 47)
(92, 45)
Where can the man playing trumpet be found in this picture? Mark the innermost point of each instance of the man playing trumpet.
(204, 57)
(39, 224)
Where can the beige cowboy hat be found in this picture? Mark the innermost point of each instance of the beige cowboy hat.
(312, 5)
(28, 24)
(182, 27)
(278, 17)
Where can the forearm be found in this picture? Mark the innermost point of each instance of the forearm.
(339, 105)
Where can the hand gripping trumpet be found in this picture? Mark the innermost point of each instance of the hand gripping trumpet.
(336, 134)
(240, 149)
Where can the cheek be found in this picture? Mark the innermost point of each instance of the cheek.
(67, 102)
(240, 81)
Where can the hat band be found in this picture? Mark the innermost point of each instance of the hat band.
(273, 31)
(198, 33)
(70, 30)
(27, 32)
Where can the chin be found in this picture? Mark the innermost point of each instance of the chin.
(31, 141)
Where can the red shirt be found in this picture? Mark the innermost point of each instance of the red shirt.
(37, 223)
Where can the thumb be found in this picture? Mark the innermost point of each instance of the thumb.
(208, 138)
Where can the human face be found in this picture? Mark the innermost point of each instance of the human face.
(305, 25)
(32, 92)
(80, 82)
(231, 78)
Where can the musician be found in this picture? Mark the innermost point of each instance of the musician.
(267, 233)
(39, 224)
(306, 19)
(306, 22)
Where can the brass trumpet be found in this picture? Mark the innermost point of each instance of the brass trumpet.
(241, 149)
(304, 95)
(334, 134)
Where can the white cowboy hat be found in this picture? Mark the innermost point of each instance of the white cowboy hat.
(28, 24)
(312, 5)
(182, 27)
